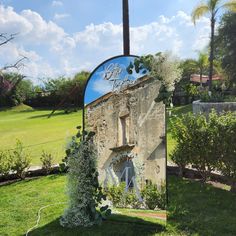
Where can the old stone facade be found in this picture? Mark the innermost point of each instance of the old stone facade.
(130, 132)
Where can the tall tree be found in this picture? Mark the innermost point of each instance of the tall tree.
(202, 64)
(225, 45)
(126, 40)
(211, 8)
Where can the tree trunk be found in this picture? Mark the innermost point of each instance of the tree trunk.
(211, 58)
(233, 187)
(126, 42)
(181, 171)
(201, 77)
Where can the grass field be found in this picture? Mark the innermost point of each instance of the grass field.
(194, 209)
(36, 131)
(21, 201)
(201, 209)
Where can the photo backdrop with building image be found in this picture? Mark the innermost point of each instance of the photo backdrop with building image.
(129, 124)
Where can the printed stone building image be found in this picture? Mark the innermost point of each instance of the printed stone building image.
(129, 131)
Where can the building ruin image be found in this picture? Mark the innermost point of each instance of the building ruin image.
(129, 128)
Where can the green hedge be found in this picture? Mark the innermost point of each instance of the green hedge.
(207, 143)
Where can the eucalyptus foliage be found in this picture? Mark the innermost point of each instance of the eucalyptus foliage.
(84, 191)
(162, 66)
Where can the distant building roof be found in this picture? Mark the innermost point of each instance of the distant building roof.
(196, 78)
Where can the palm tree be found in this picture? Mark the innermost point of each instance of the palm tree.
(126, 27)
(202, 64)
(211, 8)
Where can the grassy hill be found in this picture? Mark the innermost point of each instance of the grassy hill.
(37, 131)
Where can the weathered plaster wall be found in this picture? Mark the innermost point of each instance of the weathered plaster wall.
(146, 127)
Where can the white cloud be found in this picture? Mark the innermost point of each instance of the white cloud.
(102, 86)
(60, 16)
(54, 52)
(34, 32)
(57, 3)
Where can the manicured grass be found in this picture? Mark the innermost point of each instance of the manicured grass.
(194, 209)
(36, 131)
(21, 201)
(198, 209)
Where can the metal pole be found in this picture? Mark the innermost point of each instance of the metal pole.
(126, 41)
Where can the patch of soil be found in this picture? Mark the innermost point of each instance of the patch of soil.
(219, 185)
(158, 215)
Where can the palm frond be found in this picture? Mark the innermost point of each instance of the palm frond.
(199, 11)
(230, 5)
(213, 4)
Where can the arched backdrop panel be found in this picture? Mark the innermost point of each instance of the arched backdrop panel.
(97, 85)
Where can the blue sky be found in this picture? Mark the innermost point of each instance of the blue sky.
(62, 37)
(98, 86)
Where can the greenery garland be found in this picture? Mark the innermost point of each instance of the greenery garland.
(84, 191)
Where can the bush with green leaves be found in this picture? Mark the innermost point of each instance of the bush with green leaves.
(84, 191)
(5, 162)
(47, 161)
(226, 147)
(207, 143)
(20, 160)
(214, 97)
(181, 155)
(195, 142)
(120, 198)
(115, 194)
(154, 196)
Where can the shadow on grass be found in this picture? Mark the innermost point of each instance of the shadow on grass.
(60, 113)
(115, 225)
(47, 115)
(200, 209)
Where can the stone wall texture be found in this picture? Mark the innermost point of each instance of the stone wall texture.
(145, 132)
(219, 107)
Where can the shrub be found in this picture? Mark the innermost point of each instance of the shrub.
(47, 162)
(207, 144)
(115, 194)
(84, 191)
(226, 144)
(214, 97)
(154, 197)
(5, 162)
(130, 200)
(195, 142)
(20, 160)
(120, 198)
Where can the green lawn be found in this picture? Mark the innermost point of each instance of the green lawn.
(194, 209)
(198, 209)
(21, 201)
(36, 131)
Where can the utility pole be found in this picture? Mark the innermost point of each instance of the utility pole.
(126, 41)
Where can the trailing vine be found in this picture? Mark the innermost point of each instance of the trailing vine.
(84, 192)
